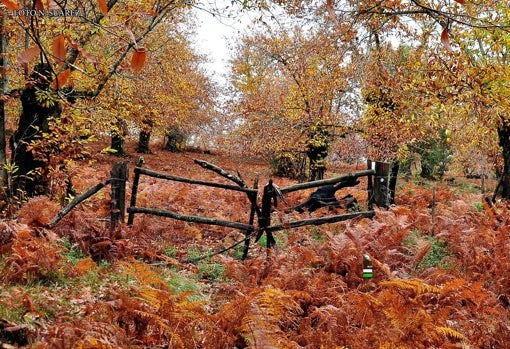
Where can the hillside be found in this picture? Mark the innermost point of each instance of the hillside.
(440, 279)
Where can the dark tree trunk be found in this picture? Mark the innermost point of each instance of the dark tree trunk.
(395, 166)
(384, 183)
(30, 177)
(144, 138)
(119, 132)
(3, 89)
(504, 142)
(143, 143)
(174, 140)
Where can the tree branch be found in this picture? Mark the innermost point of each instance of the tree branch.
(78, 199)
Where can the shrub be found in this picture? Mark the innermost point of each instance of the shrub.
(285, 165)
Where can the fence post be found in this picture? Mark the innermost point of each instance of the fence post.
(119, 176)
(134, 190)
(370, 186)
(384, 182)
(252, 219)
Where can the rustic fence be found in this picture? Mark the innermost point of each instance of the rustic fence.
(270, 194)
(379, 178)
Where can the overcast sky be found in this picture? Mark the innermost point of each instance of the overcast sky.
(213, 38)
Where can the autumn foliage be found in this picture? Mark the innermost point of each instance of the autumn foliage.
(440, 272)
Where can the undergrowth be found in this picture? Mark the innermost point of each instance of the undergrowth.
(440, 277)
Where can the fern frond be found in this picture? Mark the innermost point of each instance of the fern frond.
(449, 332)
(417, 286)
(143, 274)
(261, 326)
(423, 247)
(152, 296)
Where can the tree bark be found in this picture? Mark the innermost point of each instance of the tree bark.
(119, 175)
(143, 143)
(119, 132)
(504, 142)
(144, 137)
(30, 177)
(384, 183)
(3, 86)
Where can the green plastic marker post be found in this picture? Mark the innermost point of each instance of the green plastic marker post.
(367, 267)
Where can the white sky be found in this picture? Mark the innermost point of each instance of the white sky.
(213, 38)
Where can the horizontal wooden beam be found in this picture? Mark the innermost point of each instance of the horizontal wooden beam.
(321, 220)
(160, 175)
(322, 182)
(193, 219)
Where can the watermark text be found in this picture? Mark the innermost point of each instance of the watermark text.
(26, 12)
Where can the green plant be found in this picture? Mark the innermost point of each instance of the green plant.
(316, 234)
(411, 238)
(209, 270)
(434, 154)
(206, 268)
(238, 252)
(279, 236)
(170, 251)
(71, 252)
(262, 241)
(436, 255)
(104, 264)
(15, 197)
(479, 206)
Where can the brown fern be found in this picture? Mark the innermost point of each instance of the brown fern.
(270, 310)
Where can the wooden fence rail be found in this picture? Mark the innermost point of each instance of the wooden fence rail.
(381, 187)
(271, 194)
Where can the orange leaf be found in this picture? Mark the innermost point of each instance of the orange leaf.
(446, 40)
(103, 6)
(61, 79)
(59, 49)
(39, 5)
(138, 60)
(11, 5)
(28, 55)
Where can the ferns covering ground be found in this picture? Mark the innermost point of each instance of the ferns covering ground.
(441, 263)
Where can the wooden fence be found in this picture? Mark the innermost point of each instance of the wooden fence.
(380, 182)
(262, 212)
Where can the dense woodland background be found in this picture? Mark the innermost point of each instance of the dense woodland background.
(313, 90)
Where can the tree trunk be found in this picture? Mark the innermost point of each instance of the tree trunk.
(384, 182)
(145, 136)
(119, 132)
(3, 88)
(30, 178)
(395, 166)
(317, 150)
(504, 142)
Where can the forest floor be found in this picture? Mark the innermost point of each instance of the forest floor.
(441, 267)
